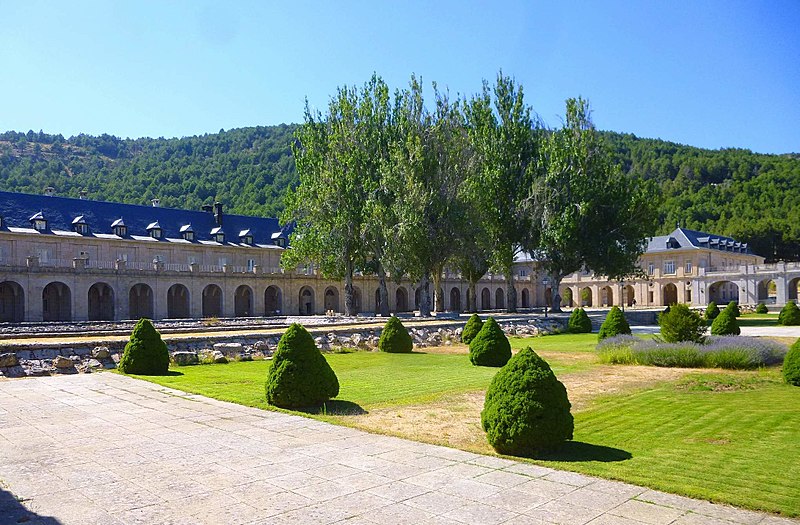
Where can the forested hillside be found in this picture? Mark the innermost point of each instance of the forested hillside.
(753, 197)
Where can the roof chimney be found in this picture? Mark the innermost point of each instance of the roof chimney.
(156, 203)
(207, 208)
(218, 213)
(49, 191)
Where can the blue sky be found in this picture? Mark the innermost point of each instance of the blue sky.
(708, 73)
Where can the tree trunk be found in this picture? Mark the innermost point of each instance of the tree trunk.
(472, 299)
(511, 291)
(556, 295)
(424, 296)
(348, 291)
(438, 300)
(383, 292)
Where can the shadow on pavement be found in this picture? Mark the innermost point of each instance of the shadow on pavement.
(336, 407)
(580, 451)
(13, 511)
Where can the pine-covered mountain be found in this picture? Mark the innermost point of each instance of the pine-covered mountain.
(750, 196)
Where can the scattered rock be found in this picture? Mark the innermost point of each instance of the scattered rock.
(185, 358)
(100, 352)
(8, 359)
(228, 349)
(219, 357)
(62, 362)
(94, 363)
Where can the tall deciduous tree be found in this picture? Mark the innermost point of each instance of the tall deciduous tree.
(587, 213)
(503, 133)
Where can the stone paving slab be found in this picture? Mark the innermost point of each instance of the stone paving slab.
(111, 450)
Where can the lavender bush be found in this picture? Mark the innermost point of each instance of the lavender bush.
(731, 352)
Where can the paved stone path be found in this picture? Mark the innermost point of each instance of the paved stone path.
(107, 449)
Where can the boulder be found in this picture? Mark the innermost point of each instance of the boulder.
(228, 349)
(63, 362)
(219, 357)
(261, 347)
(185, 358)
(100, 352)
(8, 359)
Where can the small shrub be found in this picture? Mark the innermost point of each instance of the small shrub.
(725, 323)
(471, 329)
(733, 306)
(615, 324)
(395, 338)
(617, 350)
(790, 315)
(490, 347)
(527, 410)
(299, 376)
(791, 365)
(579, 322)
(762, 308)
(145, 353)
(682, 324)
(712, 311)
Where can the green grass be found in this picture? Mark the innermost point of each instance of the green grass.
(727, 438)
(557, 343)
(758, 320)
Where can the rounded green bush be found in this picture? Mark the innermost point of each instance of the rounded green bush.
(300, 376)
(725, 323)
(145, 353)
(579, 322)
(791, 365)
(733, 306)
(712, 311)
(790, 315)
(682, 324)
(471, 329)
(395, 338)
(615, 324)
(490, 347)
(527, 410)
(762, 308)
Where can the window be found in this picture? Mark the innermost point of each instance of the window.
(689, 295)
(251, 264)
(122, 257)
(650, 297)
(83, 255)
(669, 267)
(223, 261)
(651, 268)
(192, 259)
(688, 266)
(523, 272)
(44, 255)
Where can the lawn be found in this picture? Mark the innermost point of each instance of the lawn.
(758, 320)
(729, 437)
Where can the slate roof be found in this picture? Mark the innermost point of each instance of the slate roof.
(681, 238)
(17, 210)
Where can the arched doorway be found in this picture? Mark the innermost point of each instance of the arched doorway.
(178, 302)
(140, 301)
(586, 297)
(548, 297)
(377, 300)
(526, 298)
(212, 301)
(499, 299)
(358, 300)
(723, 292)
(56, 302)
(606, 296)
(486, 299)
(794, 289)
(243, 301)
(768, 291)
(306, 301)
(12, 302)
(273, 300)
(101, 302)
(669, 294)
(401, 300)
(628, 295)
(331, 301)
(455, 299)
(566, 297)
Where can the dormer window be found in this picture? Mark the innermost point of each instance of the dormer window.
(280, 241)
(218, 235)
(155, 231)
(119, 228)
(246, 237)
(79, 225)
(187, 233)
(38, 222)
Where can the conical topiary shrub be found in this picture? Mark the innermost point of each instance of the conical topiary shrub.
(712, 311)
(395, 338)
(682, 324)
(791, 365)
(527, 410)
(725, 323)
(145, 353)
(471, 329)
(579, 322)
(299, 376)
(490, 347)
(790, 315)
(733, 306)
(615, 324)
(761, 308)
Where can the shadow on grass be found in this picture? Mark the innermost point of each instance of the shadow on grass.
(13, 511)
(335, 407)
(574, 451)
